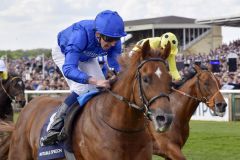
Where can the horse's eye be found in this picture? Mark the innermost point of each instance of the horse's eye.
(146, 79)
(206, 83)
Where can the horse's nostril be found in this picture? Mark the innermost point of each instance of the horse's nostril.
(160, 118)
(22, 103)
(221, 106)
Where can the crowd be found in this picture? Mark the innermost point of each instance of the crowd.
(228, 79)
(44, 75)
(38, 74)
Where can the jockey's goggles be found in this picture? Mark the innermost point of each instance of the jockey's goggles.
(109, 39)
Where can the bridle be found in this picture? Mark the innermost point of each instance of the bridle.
(12, 98)
(204, 99)
(145, 102)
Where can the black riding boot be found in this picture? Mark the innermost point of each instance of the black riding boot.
(56, 126)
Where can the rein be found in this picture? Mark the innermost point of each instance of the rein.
(146, 103)
(114, 128)
(203, 99)
(209, 101)
(5, 91)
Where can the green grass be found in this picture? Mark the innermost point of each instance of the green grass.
(212, 141)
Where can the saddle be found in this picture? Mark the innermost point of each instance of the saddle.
(64, 146)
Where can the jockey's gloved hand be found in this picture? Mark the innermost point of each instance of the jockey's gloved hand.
(191, 72)
(178, 83)
(99, 83)
(113, 71)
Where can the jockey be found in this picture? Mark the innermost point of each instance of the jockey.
(162, 41)
(76, 52)
(3, 70)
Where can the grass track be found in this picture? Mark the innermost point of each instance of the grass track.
(212, 141)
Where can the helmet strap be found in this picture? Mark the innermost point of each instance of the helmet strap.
(98, 37)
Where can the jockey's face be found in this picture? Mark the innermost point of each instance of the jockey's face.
(106, 42)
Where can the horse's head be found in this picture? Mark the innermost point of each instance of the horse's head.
(151, 87)
(208, 90)
(14, 87)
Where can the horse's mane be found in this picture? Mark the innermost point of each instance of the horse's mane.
(14, 74)
(191, 73)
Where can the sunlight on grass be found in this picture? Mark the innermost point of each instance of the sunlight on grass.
(212, 140)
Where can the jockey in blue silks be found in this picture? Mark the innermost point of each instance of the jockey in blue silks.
(76, 52)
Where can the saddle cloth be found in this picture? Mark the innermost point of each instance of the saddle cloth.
(57, 150)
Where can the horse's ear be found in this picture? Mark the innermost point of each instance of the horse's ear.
(145, 49)
(166, 51)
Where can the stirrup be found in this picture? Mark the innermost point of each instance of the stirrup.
(62, 135)
(50, 139)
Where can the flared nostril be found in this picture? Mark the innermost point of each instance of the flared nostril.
(22, 103)
(221, 106)
(161, 118)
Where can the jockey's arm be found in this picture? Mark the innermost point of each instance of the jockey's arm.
(173, 67)
(73, 51)
(71, 70)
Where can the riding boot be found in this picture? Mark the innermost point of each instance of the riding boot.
(56, 126)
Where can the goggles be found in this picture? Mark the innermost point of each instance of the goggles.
(109, 39)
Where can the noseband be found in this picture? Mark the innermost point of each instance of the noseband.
(146, 103)
(203, 99)
(12, 98)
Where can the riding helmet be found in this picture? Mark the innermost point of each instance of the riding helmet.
(109, 23)
(172, 39)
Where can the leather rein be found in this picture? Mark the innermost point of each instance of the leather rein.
(202, 98)
(145, 102)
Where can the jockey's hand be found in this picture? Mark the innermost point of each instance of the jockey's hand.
(176, 80)
(178, 83)
(111, 73)
(99, 83)
(113, 79)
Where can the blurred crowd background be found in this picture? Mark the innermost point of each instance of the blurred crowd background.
(39, 74)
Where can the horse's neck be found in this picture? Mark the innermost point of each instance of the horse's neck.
(185, 108)
(117, 113)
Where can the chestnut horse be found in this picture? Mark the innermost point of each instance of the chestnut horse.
(11, 90)
(112, 125)
(203, 87)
